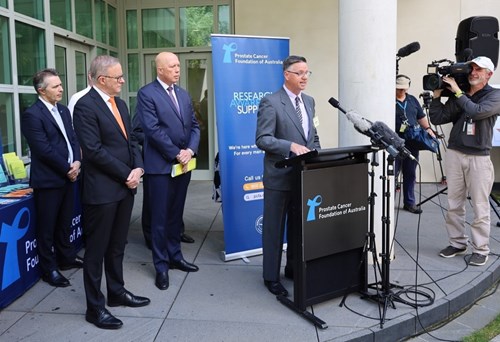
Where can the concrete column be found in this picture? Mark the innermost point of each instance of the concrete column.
(367, 71)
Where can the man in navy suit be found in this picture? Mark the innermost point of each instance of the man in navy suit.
(112, 168)
(286, 127)
(55, 166)
(171, 136)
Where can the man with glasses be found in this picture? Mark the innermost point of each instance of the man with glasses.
(286, 127)
(112, 168)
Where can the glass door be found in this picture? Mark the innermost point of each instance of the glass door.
(196, 78)
(72, 60)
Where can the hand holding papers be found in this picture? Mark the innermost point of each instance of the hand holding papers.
(178, 169)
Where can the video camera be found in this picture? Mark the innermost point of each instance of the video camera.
(444, 67)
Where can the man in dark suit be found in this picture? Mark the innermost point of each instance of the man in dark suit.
(55, 166)
(138, 135)
(112, 168)
(286, 126)
(171, 136)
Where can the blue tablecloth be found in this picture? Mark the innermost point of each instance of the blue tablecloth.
(19, 259)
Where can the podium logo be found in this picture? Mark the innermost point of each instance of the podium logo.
(312, 204)
(10, 234)
(258, 224)
(228, 50)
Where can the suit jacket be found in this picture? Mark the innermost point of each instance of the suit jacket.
(49, 150)
(277, 127)
(166, 131)
(108, 156)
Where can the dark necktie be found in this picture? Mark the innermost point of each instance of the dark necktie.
(170, 91)
(297, 109)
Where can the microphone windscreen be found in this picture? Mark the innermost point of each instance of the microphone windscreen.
(388, 135)
(359, 122)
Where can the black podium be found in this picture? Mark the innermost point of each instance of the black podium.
(330, 225)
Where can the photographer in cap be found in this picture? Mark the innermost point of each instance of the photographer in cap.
(408, 113)
(469, 168)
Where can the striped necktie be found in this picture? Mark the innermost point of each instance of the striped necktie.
(297, 109)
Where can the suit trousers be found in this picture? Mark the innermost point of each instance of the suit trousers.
(167, 200)
(54, 211)
(277, 208)
(105, 228)
(469, 175)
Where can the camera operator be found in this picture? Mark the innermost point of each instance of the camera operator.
(469, 168)
(408, 113)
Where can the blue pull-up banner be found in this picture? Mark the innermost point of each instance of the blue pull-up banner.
(245, 69)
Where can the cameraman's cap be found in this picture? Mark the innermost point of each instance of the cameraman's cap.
(483, 62)
(402, 82)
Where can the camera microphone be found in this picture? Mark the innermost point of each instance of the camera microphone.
(378, 132)
(408, 49)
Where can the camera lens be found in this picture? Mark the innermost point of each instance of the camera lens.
(432, 82)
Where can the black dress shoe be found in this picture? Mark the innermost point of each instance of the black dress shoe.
(102, 318)
(77, 263)
(276, 288)
(161, 281)
(128, 299)
(288, 272)
(183, 265)
(412, 209)
(186, 238)
(56, 279)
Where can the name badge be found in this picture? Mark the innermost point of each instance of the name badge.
(315, 121)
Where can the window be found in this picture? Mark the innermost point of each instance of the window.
(158, 28)
(31, 55)
(83, 15)
(133, 72)
(113, 33)
(3, 3)
(7, 123)
(131, 23)
(32, 8)
(25, 101)
(81, 70)
(5, 65)
(60, 14)
(224, 20)
(196, 25)
(100, 21)
(61, 67)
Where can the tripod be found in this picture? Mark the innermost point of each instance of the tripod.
(383, 294)
(427, 98)
(369, 244)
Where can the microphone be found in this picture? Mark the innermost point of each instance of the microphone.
(379, 132)
(408, 49)
(467, 54)
(394, 144)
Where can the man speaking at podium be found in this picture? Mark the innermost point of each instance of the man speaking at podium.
(286, 127)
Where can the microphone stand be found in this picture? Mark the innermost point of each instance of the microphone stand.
(383, 294)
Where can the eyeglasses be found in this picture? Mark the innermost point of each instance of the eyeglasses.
(301, 74)
(117, 78)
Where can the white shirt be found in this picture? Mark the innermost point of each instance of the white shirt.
(74, 99)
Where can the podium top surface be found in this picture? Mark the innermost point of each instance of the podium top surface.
(326, 155)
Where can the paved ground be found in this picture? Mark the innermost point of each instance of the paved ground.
(227, 301)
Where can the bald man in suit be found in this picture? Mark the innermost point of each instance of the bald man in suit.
(171, 136)
(286, 127)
